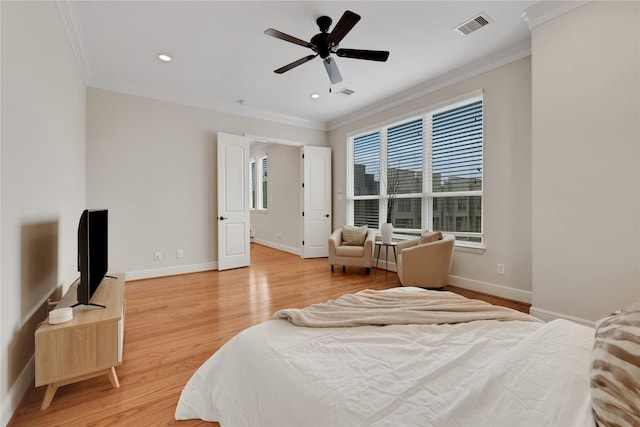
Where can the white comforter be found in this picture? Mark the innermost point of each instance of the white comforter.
(481, 373)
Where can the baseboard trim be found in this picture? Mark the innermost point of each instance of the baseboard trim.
(283, 248)
(491, 289)
(390, 266)
(548, 316)
(170, 271)
(11, 401)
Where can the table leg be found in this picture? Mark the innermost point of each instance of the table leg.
(377, 260)
(48, 396)
(395, 257)
(386, 261)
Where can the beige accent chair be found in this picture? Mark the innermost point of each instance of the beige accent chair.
(356, 256)
(425, 265)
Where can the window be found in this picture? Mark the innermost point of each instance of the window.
(263, 181)
(431, 165)
(366, 179)
(258, 182)
(252, 181)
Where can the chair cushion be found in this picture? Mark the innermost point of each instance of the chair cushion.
(350, 251)
(615, 369)
(429, 236)
(354, 236)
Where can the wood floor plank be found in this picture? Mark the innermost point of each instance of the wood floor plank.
(173, 324)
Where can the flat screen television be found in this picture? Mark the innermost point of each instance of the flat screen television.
(92, 253)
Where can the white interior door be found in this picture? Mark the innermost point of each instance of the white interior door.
(233, 202)
(316, 201)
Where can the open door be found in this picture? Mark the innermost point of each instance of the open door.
(233, 202)
(316, 219)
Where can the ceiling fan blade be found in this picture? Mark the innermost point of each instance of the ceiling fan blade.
(286, 37)
(345, 24)
(294, 64)
(370, 55)
(332, 70)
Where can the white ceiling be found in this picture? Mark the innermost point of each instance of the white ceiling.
(221, 55)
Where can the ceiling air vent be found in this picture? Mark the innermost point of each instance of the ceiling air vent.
(474, 23)
(345, 92)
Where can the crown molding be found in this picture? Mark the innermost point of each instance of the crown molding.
(544, 11)
(440, 82)
(68, 16)
(236, 110)
(256, 113)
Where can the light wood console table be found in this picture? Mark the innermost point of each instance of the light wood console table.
(85, 347)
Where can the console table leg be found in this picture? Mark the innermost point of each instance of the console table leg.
(48, 396)
(53, 387)
(113, 378)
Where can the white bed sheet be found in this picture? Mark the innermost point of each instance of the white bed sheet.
(481, 373)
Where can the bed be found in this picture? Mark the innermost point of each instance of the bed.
(502, 368)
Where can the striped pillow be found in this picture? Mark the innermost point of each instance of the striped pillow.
(615, 369)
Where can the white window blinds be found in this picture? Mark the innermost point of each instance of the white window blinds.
(457, 149)
(422, 173)
(264, 180)
(252, 180)
(404, 158)
(366, 179)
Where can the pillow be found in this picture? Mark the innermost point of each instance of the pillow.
(429, 236)
(615, 369)
(354, 236)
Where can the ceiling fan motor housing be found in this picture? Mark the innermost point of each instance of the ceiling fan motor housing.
(320, 42)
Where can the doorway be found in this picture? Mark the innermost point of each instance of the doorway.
(276, 217)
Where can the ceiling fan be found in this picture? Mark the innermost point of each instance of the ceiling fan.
(325, 43)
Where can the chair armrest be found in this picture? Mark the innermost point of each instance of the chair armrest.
(406, 244)
(335, 240)
(369, 241)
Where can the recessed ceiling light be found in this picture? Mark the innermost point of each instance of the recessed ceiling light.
(315, 95)
(164, 57)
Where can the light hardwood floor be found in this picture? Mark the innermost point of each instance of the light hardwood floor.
(173, 324)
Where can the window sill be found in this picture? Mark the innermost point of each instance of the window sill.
(260, 211)
(465, 247)
(474, 248)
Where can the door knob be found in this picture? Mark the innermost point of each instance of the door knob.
(222, 218)
(327, 215)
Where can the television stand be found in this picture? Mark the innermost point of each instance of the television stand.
(87, 346)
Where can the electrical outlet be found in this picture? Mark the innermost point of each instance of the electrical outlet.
(157, 255)
(500, 269)
(179, 253)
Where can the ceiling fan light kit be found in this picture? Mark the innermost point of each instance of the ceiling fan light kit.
(326, 43)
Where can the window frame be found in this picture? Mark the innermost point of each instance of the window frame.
(263, 202)
(428, 197)
(253, 191)
(256, 200)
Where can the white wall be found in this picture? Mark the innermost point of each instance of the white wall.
(42, 180)
(153, 165)
(507, 177)
(280, 225)
(586, 161)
